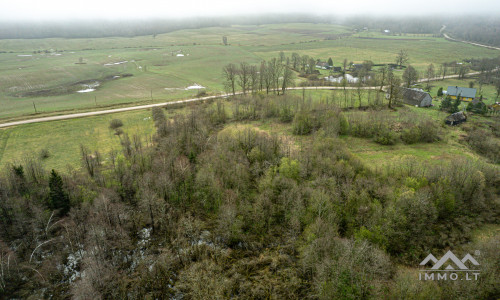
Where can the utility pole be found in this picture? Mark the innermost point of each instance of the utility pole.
(95, 100)
(34, 107)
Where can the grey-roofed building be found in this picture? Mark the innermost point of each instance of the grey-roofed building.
(466, 94)
(323, 65)
(416, 97)
(456, 118)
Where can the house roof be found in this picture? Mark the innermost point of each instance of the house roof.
(463, 92)
(414, 96)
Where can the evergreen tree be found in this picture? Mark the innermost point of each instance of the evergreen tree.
(58, 198)
(440, 92)
(455, 106)
(446, 103)
(330, 62)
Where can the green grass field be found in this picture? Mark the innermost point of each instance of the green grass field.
(63, 138)
(50, 81)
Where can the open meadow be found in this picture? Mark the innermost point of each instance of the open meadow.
(49, 75)
(56, 75)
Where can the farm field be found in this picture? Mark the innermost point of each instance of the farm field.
(161, 68)
(155, 69)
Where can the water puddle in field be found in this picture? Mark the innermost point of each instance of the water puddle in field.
(86, 91)
(195, 87)
(25, 55)
(89, 87)
(180, 55)
(191, 87)
(116, 63)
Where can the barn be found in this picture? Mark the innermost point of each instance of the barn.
(416, 97)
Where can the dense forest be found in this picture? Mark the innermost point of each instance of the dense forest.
(214, 207)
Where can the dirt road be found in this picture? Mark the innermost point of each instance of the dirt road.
(124, 109)
(470, 43)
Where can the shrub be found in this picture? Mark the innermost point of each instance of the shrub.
(44, 153)
(312, 77)
(386, 137)
(115, 124)
(343, 125)
(429, 132)
(286, 114)
(304, 123)
(201, 93)
(410, 135)
(484, 143)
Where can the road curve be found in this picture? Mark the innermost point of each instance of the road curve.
(131, 108)
(470, 43)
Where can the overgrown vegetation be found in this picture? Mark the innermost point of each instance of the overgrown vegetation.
(219, 208)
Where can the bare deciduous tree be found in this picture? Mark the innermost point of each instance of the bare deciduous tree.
(402, 57)
(230, 72)
(244, 77)
(410, 76)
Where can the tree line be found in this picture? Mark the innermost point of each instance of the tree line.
(270, 76)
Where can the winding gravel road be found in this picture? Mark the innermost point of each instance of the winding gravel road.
(123, 109)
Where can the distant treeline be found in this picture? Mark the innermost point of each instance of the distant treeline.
(398, 25)
(482, 29)
(475, 28)
(97, 29)
(479, 30)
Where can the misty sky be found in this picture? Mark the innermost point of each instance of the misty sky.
(126, 9)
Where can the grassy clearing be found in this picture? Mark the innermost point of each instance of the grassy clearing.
(377, 156)
(63, 138)
(347, 98)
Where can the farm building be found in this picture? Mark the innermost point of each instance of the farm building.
(337, 69)
(466, 94)
(323, 66)
(356, 67)
(416, 97)
(456, 118)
